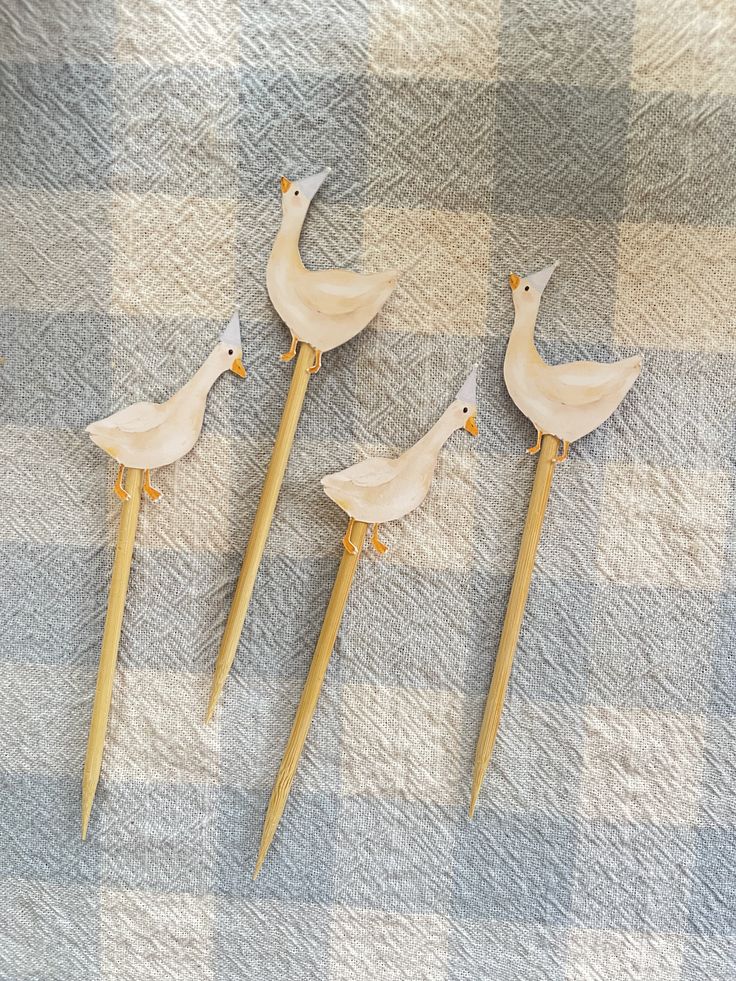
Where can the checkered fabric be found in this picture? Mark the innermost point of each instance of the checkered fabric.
(142, 142)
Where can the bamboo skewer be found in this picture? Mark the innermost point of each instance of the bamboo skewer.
(310, 694)
(110, 642)
(514, 613)
(261, 524)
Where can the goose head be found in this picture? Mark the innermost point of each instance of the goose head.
(463, 411)
(527, 290)
(229, 351)
(296, 196)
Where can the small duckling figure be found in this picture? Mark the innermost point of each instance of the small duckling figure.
(322, 308)
(148, 435)
(564, 400)
(383, 489)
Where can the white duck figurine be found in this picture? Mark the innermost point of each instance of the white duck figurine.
(565, 400)
(147, 435)
(321, 308)
(383, 489)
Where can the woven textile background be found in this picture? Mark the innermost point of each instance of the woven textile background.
(142, 142)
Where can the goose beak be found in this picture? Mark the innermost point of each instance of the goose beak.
(237, 367)
(514, 280)
(285, 184)
(472, 426)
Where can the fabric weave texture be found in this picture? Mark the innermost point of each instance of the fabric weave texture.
(142, 143)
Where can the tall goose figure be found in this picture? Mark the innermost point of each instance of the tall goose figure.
(323, 308)
(564, 400)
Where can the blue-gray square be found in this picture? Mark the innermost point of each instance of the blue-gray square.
(155, 836)
(299, 864)
(723, 663)
(670, 414)
(560, 151)
(56, 126)
(40, 818)
(652, 647)
(708, 958)
(633, 877)
(431, 143)
(175, 131)
(713, 896)
(553, 658)
(515, 867)
(67, 356)
(284, 618)
(682, 156)
(427, 645)
(488, 597)
(570, 41)
(395, 856)
(295, 125)
(494, 949)
(263, 940)
(38, 622)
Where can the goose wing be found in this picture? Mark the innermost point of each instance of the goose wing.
(137, 418)
(372, 472)
(336, 292)
(580, 382)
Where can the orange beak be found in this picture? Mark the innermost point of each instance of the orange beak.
(285, 184)
(472, 426)
(237, 367)
(514, 280)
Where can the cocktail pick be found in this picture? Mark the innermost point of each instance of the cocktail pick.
(564, 402)
(142, 437)
(371, 492)
(322, 310)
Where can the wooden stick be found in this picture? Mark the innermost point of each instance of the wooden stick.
(310, 694)
(110, 642)
(514, 613)
(261, 524)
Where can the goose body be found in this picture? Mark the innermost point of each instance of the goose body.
(148, 435)
(566, 400)
(383, 489)
(323, 308)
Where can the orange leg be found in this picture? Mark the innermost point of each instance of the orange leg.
(538, 445)
(347, 540)
(377, 543)
(317, 363)
(291, 352)
(565, 452)
(119, 489)
(151, 491)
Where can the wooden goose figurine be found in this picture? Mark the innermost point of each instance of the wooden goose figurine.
(371, 492)
(148, 435)
(564, 400)
(324, 308)
(383, 489)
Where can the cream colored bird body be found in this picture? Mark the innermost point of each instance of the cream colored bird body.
(566, 400)
(382, 489)
(322, 308)
(148, 435)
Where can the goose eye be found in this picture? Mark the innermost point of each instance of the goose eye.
(296, 194)
(230, 351)
(465, 409)
(526, 289)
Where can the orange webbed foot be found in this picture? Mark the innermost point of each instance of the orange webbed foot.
(565, 452)
(118, 488)
(150, 491)
(317, 363)
(379, 546)
(537, 446)
(347, 541)
(291, 352)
